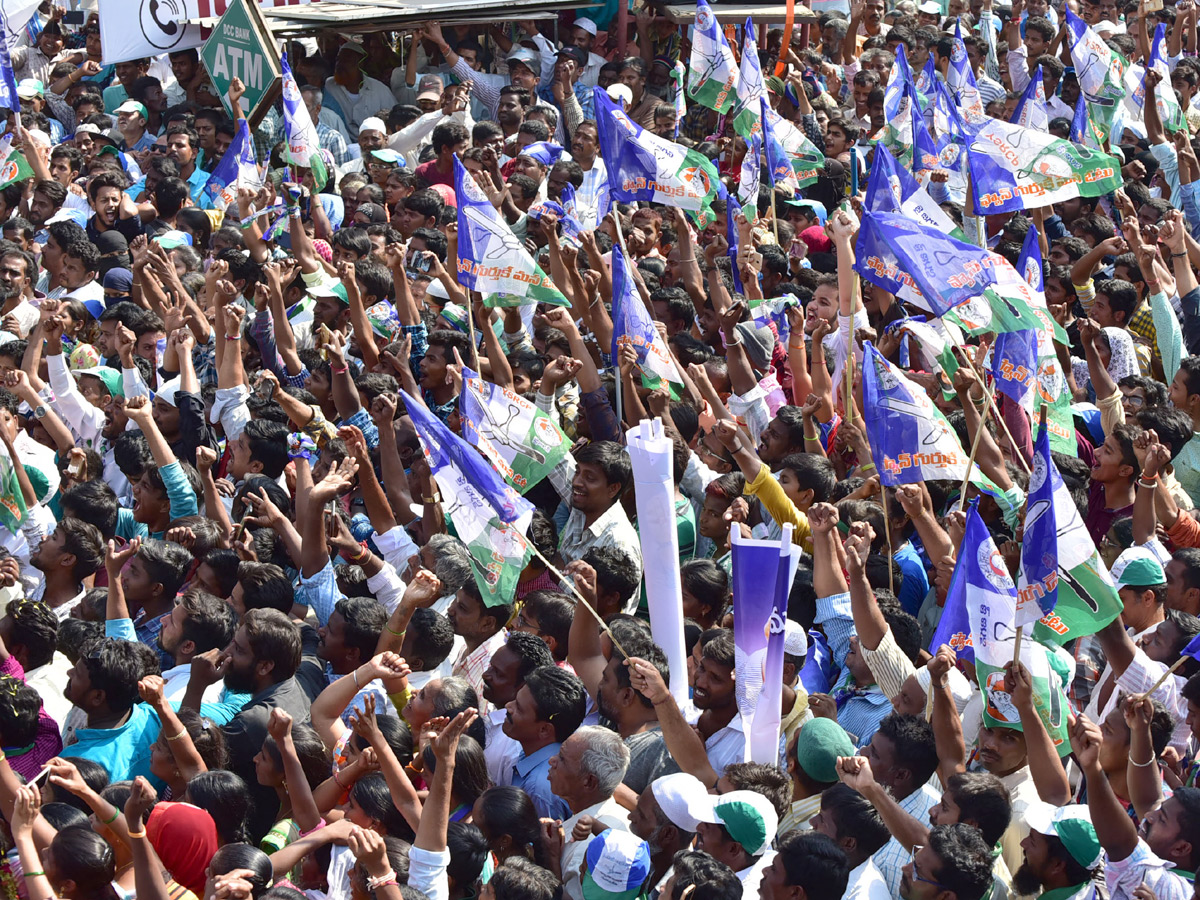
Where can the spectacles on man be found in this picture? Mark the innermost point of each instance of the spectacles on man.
(912, 861)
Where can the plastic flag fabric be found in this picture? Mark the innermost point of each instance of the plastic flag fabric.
(945, 271)
(960, 78)
(303, 148)
(678, 75)
(954, 627)
(779, 165)
(762, 579)
(14, 166)
(12, 501)
(1193, 648)
(1015, 168)
(520, 440)
(713, 73)
(632, 324)
(1082, 130)
(489, 516)
(892, 189)
(8, 81)
(747, 107)
(1099, 70)
(991, 600)
(237, 168)
(910, 438)
(643, 166)
(491, 259)
(732, 210)
(1031, 108)
(1166, 100)
(1029, 263)
(1044, 540)
(747, 192)
(1014, 366)
(807, 161)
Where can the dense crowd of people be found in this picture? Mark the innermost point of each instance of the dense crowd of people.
(249, 648)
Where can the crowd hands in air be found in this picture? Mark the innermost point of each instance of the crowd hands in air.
(246, 650)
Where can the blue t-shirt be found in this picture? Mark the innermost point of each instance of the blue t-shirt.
(125, 751)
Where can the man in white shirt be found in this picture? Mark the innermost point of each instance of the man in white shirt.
(353, 95)
(199, 622)
(851, 820)
(737, 829)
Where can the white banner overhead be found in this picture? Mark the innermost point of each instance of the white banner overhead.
(14, 16)
(159, 26)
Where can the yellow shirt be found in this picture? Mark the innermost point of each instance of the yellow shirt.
(782, 510)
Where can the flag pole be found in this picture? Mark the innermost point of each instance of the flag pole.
(471, 334)
(774, 217)
(616, 217)
(887, 532)
(1017, 644)
(991, 400)
(962, 494)
(570, 582)
(1165, 675)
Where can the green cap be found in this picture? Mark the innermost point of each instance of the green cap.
(819, 743)
(1071, 824)
(332, 288)
(748, 816)
(109, 376)
(1138, 567)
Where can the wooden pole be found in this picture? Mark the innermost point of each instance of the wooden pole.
(887, 533)
(471, 334)
(1017, 644)
(1165, 675)
(991, 399)
(616, 217)
(570, 583)
(775, 219)
(962, 495)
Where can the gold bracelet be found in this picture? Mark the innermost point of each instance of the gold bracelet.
(177, 737)
(138, 834)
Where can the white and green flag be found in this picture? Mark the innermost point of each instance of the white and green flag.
(487, 514)
(303, 148)
(12, 501)
(518, 439)
(991, 601)
(713, 74)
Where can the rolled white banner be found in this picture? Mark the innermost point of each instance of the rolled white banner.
(651, 452)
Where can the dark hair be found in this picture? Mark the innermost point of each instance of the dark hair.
(509, 810)
(210, 621)
(265, 586)
(966, 859)
(616, 572)
(854, 816)
(93, 502)
(273, 638)
(611, 458)
(268, 445)
(114, 667)
(427, 202)
(433, 633)
(814, 473)
(166, 563)
(531, 652)
(554, 612)
(34, 627)
(645, 648)
(314, 759)
(709, 878)
(224, 564)
(519, 879)
(226, 798)
(719, 648)
(913, 740)
(63, 815)
(19, 707)
(707, 582)
(983, 801)
(82, 856)
(560, 699)
(814, 862)
(468, 852)
(241, 855)
(371, 793)
(85, 543)
(208, 738)
(1122, 296)
(1173, 426)
(364, 620)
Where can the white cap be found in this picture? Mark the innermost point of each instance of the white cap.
(795, 641)
(678, 796)
(930, 7)
(373, 123)
(621, 93)
(437, 290)
(40, 136)
(960, 689)
(168, 389)
(587, 25)
(131, 106)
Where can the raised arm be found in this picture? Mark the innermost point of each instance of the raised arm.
(683, 743)
(1049, 776)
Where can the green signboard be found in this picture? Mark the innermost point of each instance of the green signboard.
(241, 46)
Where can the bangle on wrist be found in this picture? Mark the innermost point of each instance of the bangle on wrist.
(113, 818)
(1151, 761)
(392, 631)
(138, 834)
(356, 684)
(1178, 255)
(177, 737)
(233, 337)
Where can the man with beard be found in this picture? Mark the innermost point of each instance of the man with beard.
(1062, 853)
(633, 715)
(502, 679)
(955, 865)
(261, 660)
(547, 710)
(198, 623)
(665, 817)
(341, 645)
(17, 273)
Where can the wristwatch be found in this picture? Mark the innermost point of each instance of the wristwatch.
(39, 412)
